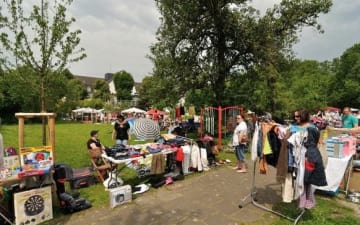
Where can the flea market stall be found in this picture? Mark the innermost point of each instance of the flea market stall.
(26, 177)
(305, 160)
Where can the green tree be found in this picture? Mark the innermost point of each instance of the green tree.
(345, 88)
(96, 103)
(17, 95)
(124, 82)
(308, 83)
(102, 90)
(42, 40)
(208, 43)
(158, 93)
(75, 92)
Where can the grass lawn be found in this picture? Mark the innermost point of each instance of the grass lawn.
(70, 148)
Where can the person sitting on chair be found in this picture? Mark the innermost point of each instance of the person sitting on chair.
(94, 142)
(95, 149)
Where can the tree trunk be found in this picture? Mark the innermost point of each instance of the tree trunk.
(43, 109)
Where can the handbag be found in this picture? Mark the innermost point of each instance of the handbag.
(243, 138)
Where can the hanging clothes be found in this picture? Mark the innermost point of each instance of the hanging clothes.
(297, 140)
(191, 111)
(195, 161)
(260, 142)
(254, 142)
(282, 170)
(288, 188)
(157, 164)
(275, 144)
(267, 147)
(187, 157)
(263, 168)
(182, 110)
(179, 154)
(177, 112)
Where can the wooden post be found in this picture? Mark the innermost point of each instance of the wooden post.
(21, 132)
(51, 123)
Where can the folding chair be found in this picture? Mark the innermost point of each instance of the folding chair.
(101, 167)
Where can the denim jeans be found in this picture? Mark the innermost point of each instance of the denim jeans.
(240, 152)
(119, 141)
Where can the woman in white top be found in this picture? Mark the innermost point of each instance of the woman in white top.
(239, 142)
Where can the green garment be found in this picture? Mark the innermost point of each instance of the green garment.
(349, 121)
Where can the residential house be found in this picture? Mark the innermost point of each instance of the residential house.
(90, 81)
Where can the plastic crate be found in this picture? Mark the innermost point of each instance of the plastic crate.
(334, 147)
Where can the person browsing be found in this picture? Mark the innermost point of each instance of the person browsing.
(239, 136)
(121, 131)
(348, 120)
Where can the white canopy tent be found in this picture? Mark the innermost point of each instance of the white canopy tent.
(87, 113)
(133, 110)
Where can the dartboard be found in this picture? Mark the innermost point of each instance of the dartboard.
(34, 205)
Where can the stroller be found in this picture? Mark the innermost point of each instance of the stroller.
(69, 203)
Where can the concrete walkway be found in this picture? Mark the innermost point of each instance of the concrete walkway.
(210, 198)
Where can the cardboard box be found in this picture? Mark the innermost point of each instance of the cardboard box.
(33, 206)
(12, 163)
(32, 158)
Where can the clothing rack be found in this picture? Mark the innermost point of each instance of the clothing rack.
(253, 191)
(252, 195)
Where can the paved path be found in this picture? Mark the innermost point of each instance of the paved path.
(211, 198)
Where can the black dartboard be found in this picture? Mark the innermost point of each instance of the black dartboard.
(34, 205)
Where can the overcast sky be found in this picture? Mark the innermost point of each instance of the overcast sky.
(117, 34)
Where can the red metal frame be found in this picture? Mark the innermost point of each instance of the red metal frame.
(219, 109)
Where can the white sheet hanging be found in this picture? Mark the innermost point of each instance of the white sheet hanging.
(335, 171)
(254, 142)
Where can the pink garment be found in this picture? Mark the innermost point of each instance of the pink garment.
(168, 180)
(307, 198)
